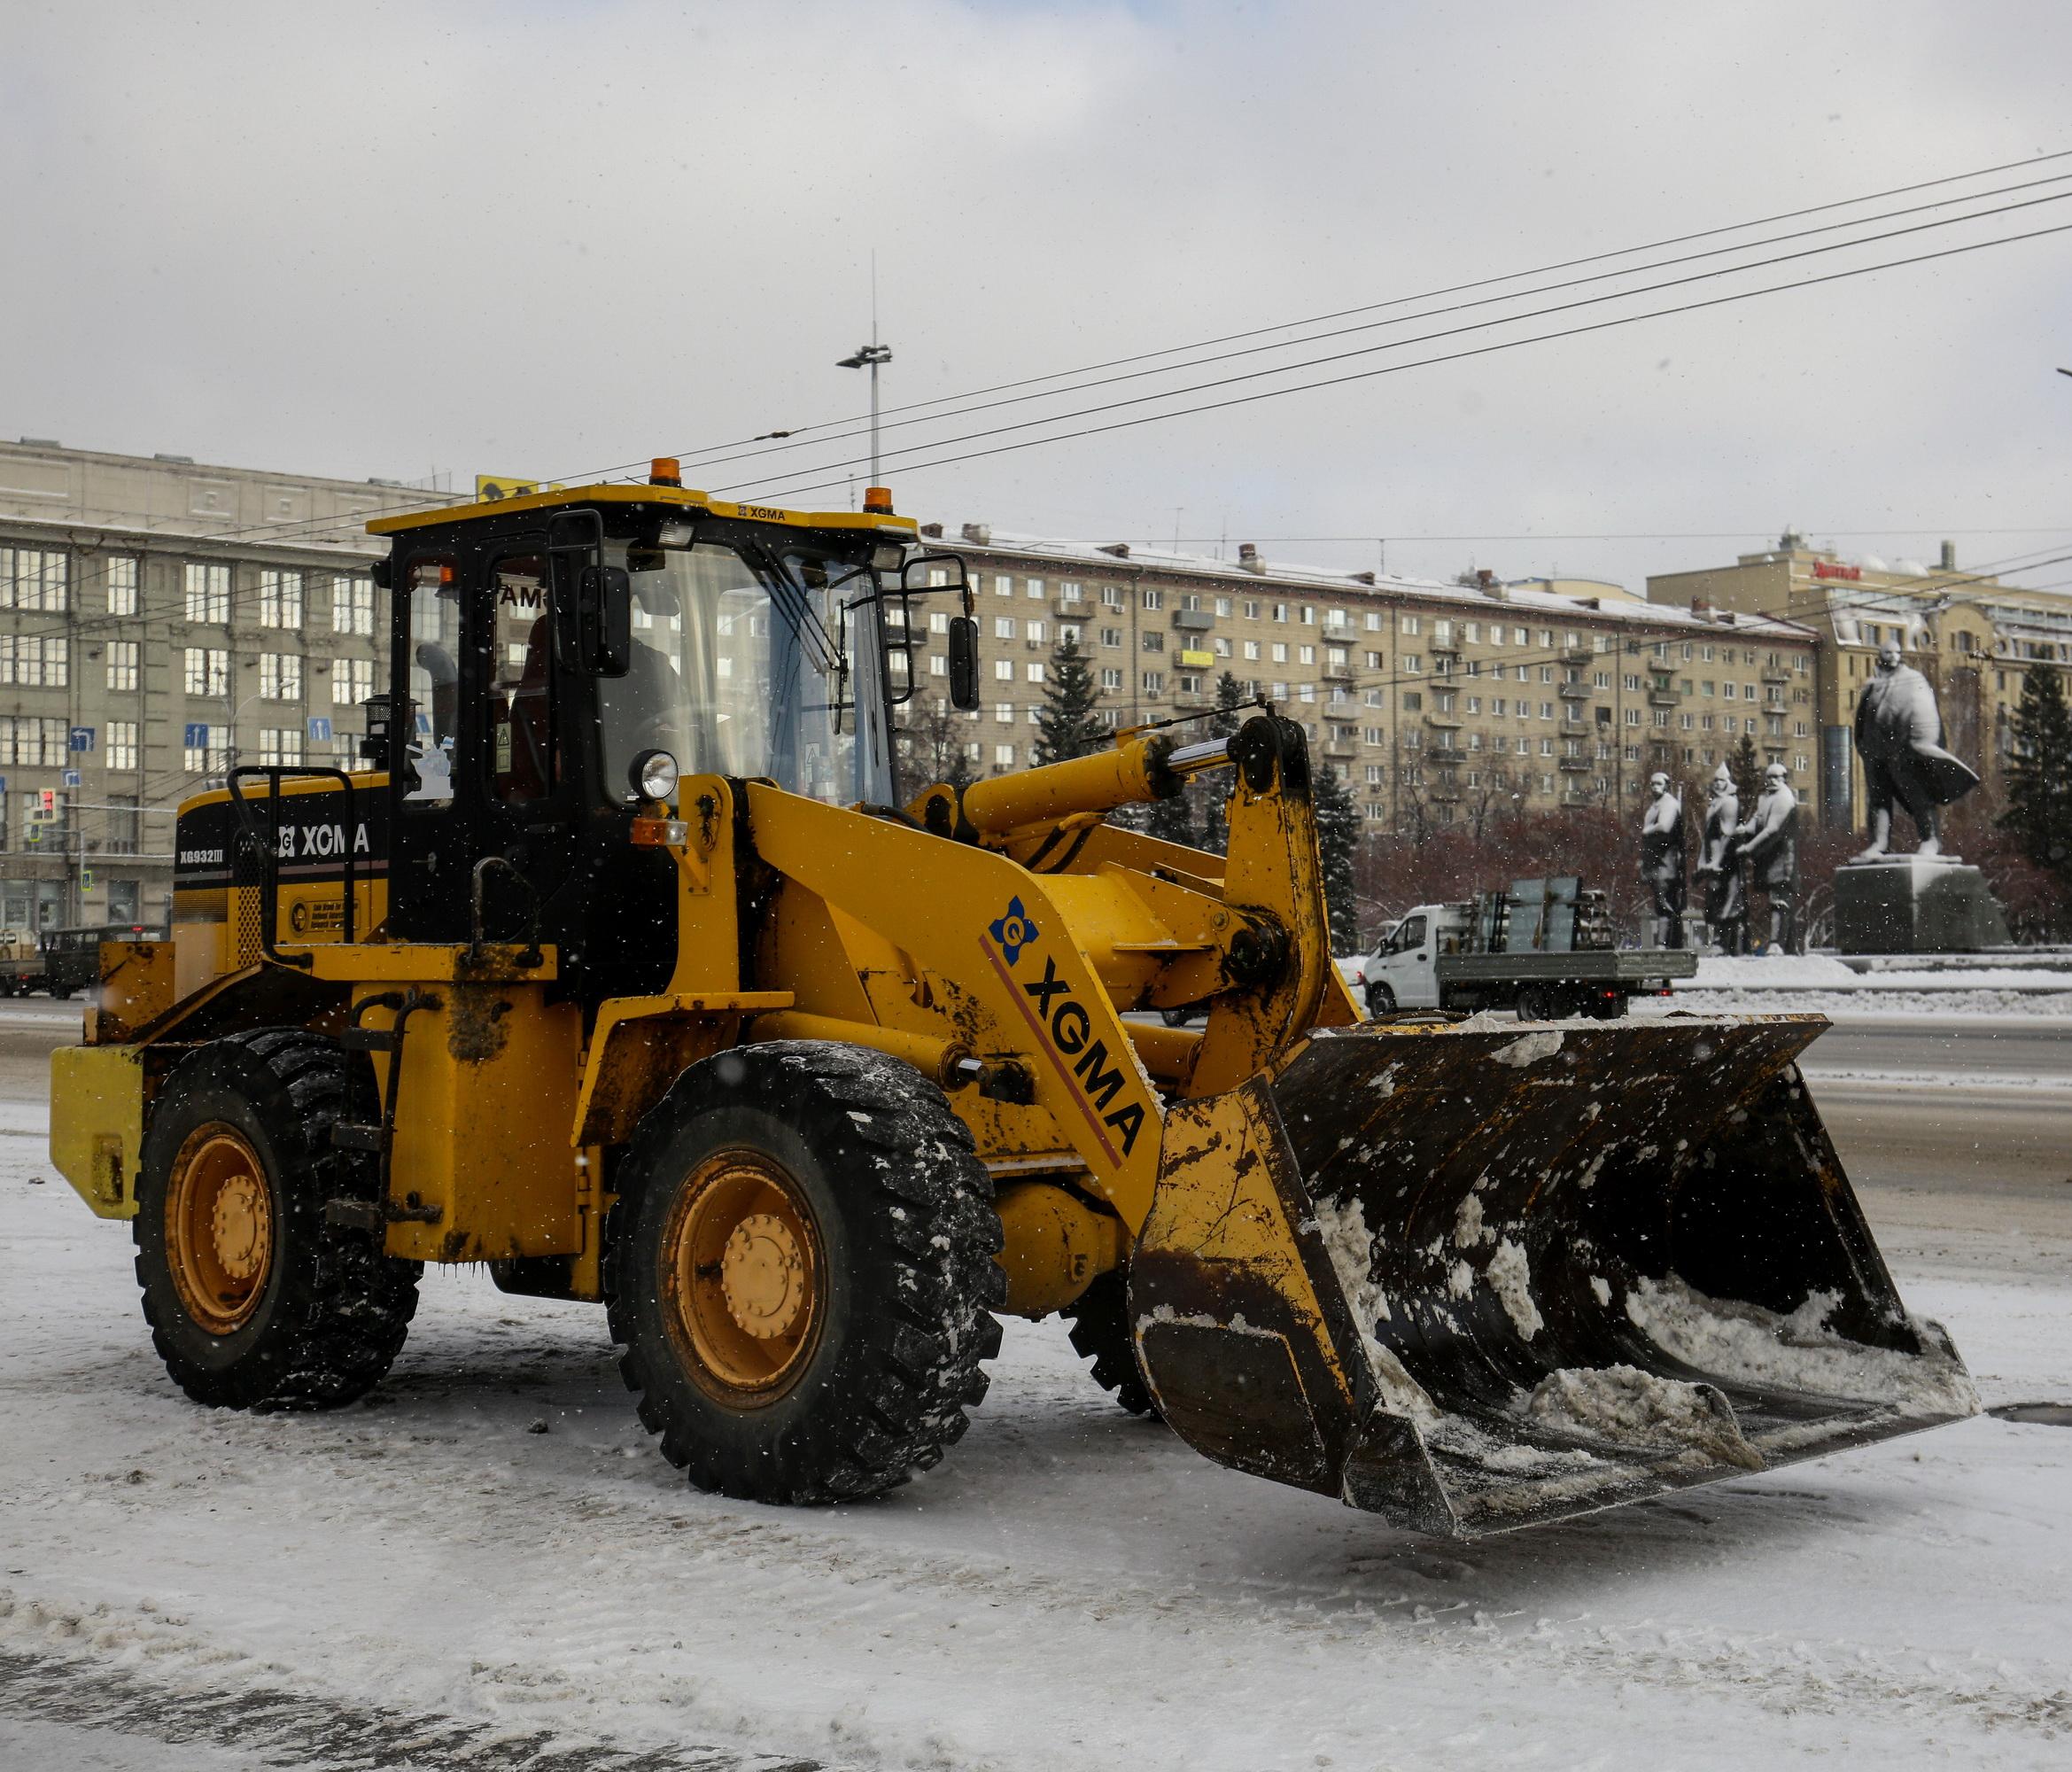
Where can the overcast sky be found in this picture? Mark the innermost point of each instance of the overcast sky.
(551, 239)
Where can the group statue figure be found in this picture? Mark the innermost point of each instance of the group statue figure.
(1662, 860)
(1899, 736)
(1738, 854)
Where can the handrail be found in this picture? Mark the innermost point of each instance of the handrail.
(270, 897)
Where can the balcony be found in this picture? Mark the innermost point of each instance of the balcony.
(1772, 674)
(1443, 722)
(1575, 654)
(1665, 698)
(1577, 764)
(1194, 621)
(1339, 748)
(1341, 673)
(1575, 692)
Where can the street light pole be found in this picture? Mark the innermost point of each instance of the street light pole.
(868, 357)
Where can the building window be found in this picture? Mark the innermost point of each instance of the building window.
(1069, 592)
(1003, 756)
(1111, 680)
(1036, 589)
(280, 598)
(1111, 636)
(208, 593)
(34, 579)
(1003, 713)
(1306, 655)
(1224, 608)
(1251, 609)
(1153, 598)
(1154, 682)
(280, 677)
(1413, 662)
(1252, 651)
(1112, 597)
(1035, 671)
(1153, 643)
(122, 575)
(207, 670)
(121, 748)
(1003, 670)
(1003, 627)
(352, 606)
(1038, 632)
(32, 740)
(280, 744)
(1002, 586)
(122, 663)
(35, 661)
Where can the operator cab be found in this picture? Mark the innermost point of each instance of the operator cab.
(559, 660)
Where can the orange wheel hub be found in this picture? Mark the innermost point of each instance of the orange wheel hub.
(743, 1277)
(219, 1229)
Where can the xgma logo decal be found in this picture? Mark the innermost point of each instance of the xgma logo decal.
(1062, 1021)
(1013, 931)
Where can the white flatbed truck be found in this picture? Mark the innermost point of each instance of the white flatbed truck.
(1542, 949)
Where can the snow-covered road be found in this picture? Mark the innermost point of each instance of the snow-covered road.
(1071, 1587)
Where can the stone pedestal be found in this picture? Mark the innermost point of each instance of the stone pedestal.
(1915, 904)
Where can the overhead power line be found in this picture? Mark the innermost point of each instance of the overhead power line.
(1395, 369)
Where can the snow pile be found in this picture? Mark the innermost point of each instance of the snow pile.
(1878, 1001)
(1511, 1281)
(1744, 1344)
(1529, 1048)
(1628, 1407)
(1347, 1239)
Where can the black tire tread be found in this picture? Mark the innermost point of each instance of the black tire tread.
(1100, 1318)
(933, 1199)
(343, 1312)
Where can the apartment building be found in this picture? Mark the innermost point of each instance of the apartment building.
(1973, 637)
(1436, 702)
(161, 620)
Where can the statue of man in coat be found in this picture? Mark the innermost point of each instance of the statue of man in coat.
(1727, 905)
(1769, 845)
(1662, 860)
(1899, 736)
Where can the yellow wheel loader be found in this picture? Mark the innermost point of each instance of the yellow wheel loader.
(624, 969)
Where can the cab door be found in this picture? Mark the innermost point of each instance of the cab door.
(487, 772)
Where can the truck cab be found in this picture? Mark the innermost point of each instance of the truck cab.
(1402, 971)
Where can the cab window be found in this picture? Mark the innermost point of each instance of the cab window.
(435, 680)
(1411, 936)
(521, 750)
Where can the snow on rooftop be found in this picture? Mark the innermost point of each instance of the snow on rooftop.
(1515, 594)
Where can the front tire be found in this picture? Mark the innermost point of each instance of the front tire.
(802, 1273)
(254, 1299)
(1380, 1000)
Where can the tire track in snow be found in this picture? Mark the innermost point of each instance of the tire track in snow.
(323, 1735)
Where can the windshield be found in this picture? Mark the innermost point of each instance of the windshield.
(738, 669)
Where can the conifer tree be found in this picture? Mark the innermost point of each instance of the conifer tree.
(1069, 724)
(2040, 774)
(1338, 837)
(1747, 770)
(1169, 820)
(1209, 791)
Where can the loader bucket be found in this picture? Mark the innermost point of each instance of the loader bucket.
(1474, 1276)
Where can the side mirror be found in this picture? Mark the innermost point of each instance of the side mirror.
(964, 663)
(604, 621)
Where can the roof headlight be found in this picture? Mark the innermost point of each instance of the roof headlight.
(654, 775)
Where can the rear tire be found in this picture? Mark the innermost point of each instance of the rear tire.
(1100, 1318)
(801, 1272)
(1536, 1004)
(254, 1299)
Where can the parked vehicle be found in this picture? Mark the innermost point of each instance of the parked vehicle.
(1543, 948)
(60, 961)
